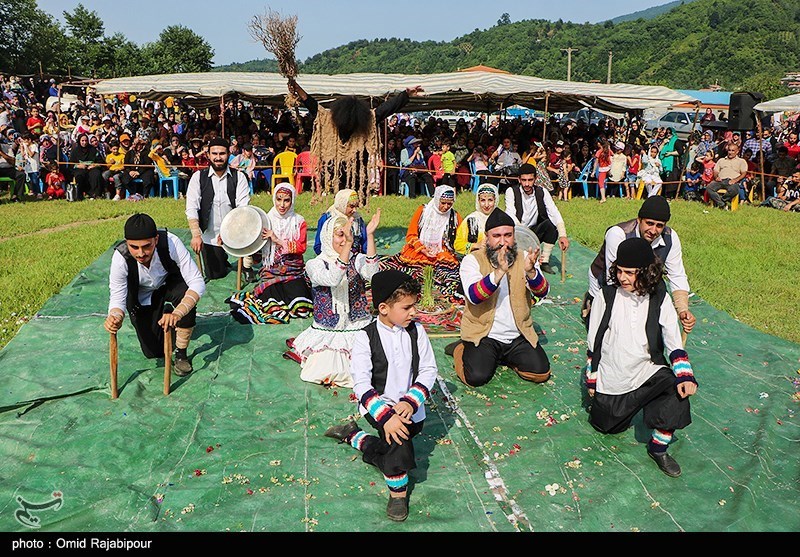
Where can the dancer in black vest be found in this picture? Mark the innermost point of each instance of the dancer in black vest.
(211, 194)
(394, 370)
(631, 325)
(651, 225)
(531, 205)
(154, 278)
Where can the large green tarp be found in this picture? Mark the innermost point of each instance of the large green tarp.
(238, 445)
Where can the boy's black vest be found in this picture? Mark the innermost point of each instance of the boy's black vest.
(380, 365)
(541, 210)
(655, 338)
(629, 228)
(207, 194)
(162, 249)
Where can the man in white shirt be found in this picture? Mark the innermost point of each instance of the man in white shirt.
(651, 225)
(728, 175)
(211, 194)
(533, 206)
(500, 286)
(152, 269)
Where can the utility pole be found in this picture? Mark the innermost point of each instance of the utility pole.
(569, 52)
(610, 56)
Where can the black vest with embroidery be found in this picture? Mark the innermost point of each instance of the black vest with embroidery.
(629, 228)
(162, 249)
(207, 194)
(655, 338)
(541, 209)
(380, 364)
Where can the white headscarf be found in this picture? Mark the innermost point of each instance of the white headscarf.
(433, 223)
(340, 202)
(478, 216)
(286, 226)
(341, 292)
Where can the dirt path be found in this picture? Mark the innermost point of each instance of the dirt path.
(61, 227)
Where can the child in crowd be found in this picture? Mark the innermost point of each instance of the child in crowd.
(603, 161)
(693, 178)
(30, 153)
(619, 165)
(448, 160)
(116, 164)
(634, 159)
(651, 170)
(565, 170)
(391, 391)
(707, 160)
(626, 369)
(54, 180)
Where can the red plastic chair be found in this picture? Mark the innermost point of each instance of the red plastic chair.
(306, 166)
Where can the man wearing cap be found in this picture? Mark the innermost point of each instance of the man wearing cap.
(413, 168)
(631, 328)
(154, 278)
(651, 224)
(211, 194)
(8, 167)
(532, 206)
(500, 285)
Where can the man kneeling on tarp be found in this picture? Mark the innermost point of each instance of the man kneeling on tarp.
(154, 278)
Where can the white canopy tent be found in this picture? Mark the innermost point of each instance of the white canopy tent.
(782, 104)
(473, 90)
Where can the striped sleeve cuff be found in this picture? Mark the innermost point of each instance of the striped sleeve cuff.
(482, 289)
(538, 285)
(416, 396)
(681, 367)
(591, 376)
(341, 264)
(376, 407)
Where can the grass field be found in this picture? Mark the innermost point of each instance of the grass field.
(744, 263)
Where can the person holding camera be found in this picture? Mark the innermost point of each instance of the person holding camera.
(8, 162)
(506, 162)
(413, 168)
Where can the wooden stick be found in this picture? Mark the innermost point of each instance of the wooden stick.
(239, 274)
(455, 334)
(113, 356)
(563, 265)
(198, 258)
(684, 336)
(167, 359)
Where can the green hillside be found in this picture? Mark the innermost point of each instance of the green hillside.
(739, 45)
(650, 13)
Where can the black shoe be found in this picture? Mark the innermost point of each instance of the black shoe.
(342, 432)
(450, 348)
(397, 508)
(667, 464)
(547, 268)
(248, 275)
(183, 366)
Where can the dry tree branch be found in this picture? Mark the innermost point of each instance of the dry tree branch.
(279, 36)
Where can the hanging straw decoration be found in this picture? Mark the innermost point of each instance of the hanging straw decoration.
(279, 36)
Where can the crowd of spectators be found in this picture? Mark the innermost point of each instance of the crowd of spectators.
(120, 147)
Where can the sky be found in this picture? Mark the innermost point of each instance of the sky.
(324, 24)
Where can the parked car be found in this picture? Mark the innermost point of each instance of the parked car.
(586, 114)
(449, 116)
(681, 121)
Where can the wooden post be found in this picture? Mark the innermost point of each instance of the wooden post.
(761, 158)
(113, 356)
(546, 108)
(167, 359)
(563, 266)
(239, 274)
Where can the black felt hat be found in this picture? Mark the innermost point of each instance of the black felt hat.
(656, 208)
(140, 227)
(498, 217)
(384, 283)
(635, 253)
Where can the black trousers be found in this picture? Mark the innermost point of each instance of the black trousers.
(546, 231)
(658, 397)
(481, 362)
(148, 180)
(89, 182)
(391, 459)
(145, 318)
(415, 181)
(215, 261)
(392, 181)
(18, 189)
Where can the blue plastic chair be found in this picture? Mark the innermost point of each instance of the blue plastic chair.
(476, 180)
(167, 184)
(583, 177)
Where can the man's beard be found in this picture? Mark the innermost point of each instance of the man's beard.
(220, 167)
(511, 255)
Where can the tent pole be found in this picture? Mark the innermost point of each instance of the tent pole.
(385, 152)
(222, 113)
(761, 156)
(546, 108)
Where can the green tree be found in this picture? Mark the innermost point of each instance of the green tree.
(177, 50)
(505, 19)
(29, 36)
(85, 25)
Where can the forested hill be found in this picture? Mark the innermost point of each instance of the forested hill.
(650, 13)
(739, 45)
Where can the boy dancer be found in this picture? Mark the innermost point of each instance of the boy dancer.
(392, 390)
(630, 325)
